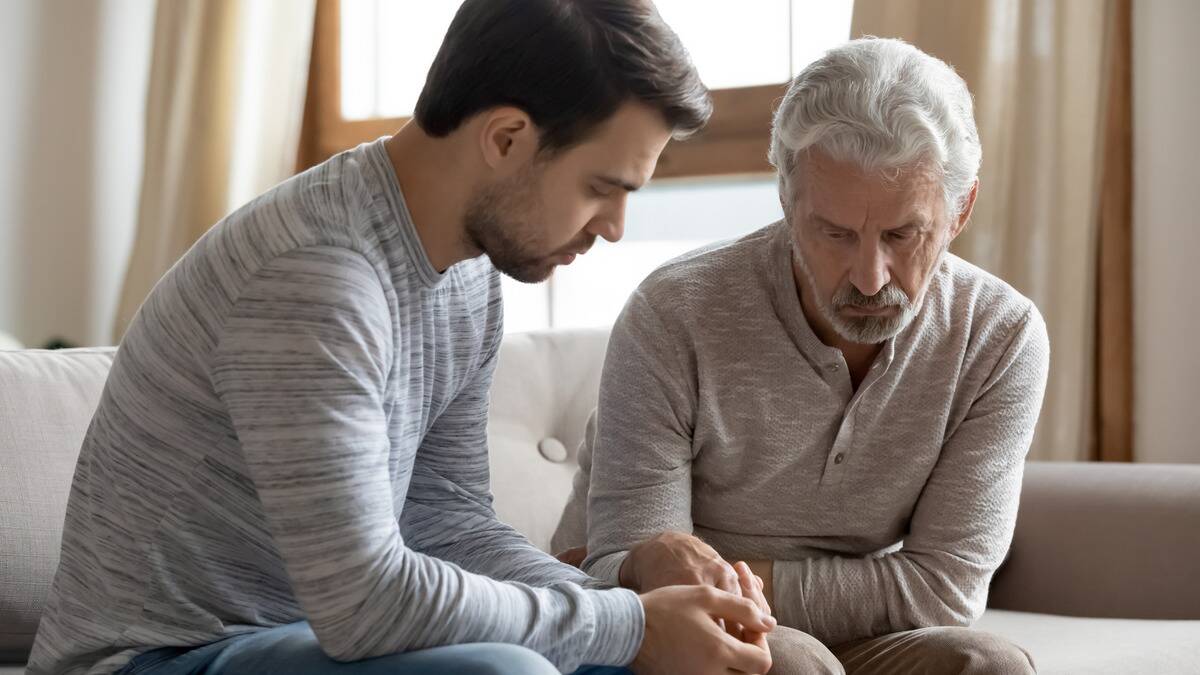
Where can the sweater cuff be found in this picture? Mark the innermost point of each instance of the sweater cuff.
(608, 568)
(787, 579)
(619, 626)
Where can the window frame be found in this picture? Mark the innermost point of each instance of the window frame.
(734, 142)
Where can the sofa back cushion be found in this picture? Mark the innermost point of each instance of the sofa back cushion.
(46, 403)
(546, 386)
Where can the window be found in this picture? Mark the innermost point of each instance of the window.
(716, 185)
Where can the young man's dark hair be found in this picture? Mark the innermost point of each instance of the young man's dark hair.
(569, 64)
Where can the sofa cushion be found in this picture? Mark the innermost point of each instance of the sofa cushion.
(46, 402)
(1067, 645)
(1105, 539)
(545, 386)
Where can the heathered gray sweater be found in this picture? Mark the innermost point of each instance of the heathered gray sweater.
(294, 429)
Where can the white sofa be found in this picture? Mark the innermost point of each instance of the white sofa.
(1117, 544)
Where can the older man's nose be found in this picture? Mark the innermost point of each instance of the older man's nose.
(870, 272)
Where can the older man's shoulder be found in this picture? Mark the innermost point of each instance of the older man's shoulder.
(723, 269)
(973, 297)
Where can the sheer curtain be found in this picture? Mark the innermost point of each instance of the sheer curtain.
(223, 114)
(1037, 71)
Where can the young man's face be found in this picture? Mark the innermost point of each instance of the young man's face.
(553, 209)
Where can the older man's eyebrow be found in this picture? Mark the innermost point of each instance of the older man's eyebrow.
(619, 183)
(916, 221)
(825, 222)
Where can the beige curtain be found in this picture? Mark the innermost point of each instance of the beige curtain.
(1036, 69)
(224, 106)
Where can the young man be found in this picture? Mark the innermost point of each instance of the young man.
(287, 471)
(834, 397)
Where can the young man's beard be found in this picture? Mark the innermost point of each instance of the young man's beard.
(497, 222)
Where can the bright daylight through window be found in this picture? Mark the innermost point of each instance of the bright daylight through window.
(388, 45)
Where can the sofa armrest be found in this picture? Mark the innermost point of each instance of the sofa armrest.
(1105, 540)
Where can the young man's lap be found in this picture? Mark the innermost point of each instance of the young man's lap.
(293, 650)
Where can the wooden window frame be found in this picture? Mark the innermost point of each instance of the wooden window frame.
(734, 142)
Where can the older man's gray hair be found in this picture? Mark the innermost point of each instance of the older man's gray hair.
(881, 104)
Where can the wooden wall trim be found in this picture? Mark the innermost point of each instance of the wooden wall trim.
(1114, 285)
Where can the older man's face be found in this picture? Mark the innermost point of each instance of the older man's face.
(866, 244)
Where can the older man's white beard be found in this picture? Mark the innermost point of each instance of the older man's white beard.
(867, 330)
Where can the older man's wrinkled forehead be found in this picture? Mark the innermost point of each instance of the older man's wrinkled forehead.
(833, 189)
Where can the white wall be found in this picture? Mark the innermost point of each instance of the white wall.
(71, 127)
(1166, 171)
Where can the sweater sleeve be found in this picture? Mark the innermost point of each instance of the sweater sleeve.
(641, 461)
(302, 366)
(449, 512)
(960, 529)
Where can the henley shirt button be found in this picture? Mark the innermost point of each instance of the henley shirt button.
(833, 366)
(837, 459)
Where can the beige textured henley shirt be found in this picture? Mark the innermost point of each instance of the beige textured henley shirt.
(886, 508)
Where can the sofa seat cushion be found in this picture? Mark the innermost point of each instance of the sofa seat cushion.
(1068, 645)
(46, 402)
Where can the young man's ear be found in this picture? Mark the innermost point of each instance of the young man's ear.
(507, 138)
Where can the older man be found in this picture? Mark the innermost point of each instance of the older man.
(835, 397)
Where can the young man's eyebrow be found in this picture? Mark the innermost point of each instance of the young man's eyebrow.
(619, 183)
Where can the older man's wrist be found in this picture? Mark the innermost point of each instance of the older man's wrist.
(607, 568)
(627, 572)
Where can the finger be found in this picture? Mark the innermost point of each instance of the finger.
(725, 577)
(730, 582)
(734, 608)
(745, 657)
(750, 587)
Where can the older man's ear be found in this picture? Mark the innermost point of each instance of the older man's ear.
(965, 215)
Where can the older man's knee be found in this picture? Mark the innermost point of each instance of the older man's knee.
(975, 652)
(795, 652)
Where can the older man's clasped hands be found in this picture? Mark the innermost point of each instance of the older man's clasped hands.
(674, 559)
(676, 572)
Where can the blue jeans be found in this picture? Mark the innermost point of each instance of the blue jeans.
(293, 650)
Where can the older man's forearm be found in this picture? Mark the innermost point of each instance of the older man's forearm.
(839, 599)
